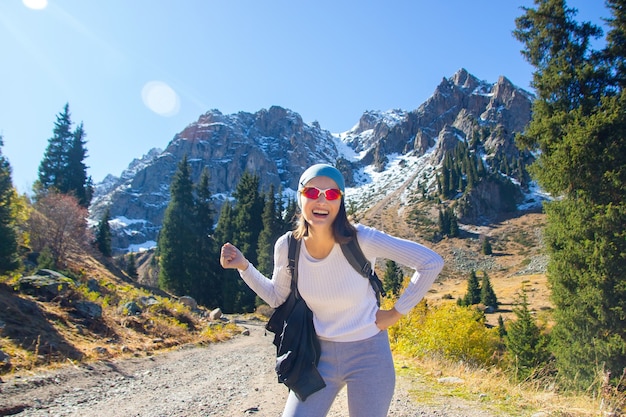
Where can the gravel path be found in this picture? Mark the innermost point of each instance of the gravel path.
(233, 378)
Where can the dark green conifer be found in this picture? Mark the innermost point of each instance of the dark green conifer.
(577, 129)
(103, 235)
(472, 296)
(526, 345)
(393, 278)
(9, 259)
(487, 294)
(177, 239)
(62, 168)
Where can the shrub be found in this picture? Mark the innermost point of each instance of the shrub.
(448, 331)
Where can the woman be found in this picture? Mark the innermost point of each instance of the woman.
(352, 329)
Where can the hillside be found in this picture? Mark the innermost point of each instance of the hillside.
(518, 259)
(102, 314)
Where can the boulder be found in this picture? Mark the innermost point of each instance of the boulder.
(189, 302)
(45, 284)
(215, 314)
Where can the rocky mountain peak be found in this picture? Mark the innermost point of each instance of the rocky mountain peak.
(277, 145)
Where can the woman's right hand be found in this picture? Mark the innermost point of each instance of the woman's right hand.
(231, 258)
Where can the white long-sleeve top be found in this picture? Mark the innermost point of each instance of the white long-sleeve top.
(343, 301)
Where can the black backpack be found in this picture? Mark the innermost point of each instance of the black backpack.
(353, 253)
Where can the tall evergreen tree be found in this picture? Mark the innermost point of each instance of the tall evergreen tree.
(224, 232)
(578, 127)
(472, 296)
(392, 279)
(62, 167)
(487, 294)
(247, 228)
(9, 259)
(526, 345)
(78, 182)
(131, 265)
(177, 239)
(206, 287)
(103, 235)
(268, 234)
(486, 246)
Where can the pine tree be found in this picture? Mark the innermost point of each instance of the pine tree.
(224, 232)
(501, 327)
(392, 280)
(578, 125)
(268, 234)
(131, 265)
(486, 247)
(77, 180)
(454, 224)
(206, 286)
(247, 222)
(487, 294)
(177, 239)
(9, 259)
(472, 296)
(444, 223)
(62, 169)
(52, 169)
(103, 235)
(526, 345)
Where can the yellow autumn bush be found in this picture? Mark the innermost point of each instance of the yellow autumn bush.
(448, 331)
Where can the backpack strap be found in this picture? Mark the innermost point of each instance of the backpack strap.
(293, 254)
(353, 253)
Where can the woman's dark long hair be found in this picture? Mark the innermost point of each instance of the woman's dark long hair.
(343, 230)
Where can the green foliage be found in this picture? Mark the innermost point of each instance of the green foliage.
(448, 224)
(486, 246)
(393, 278)
(248, 223)
(578, 125)
(527, 346)
(62, 168)
(446, 331)
(487, 294)
(131, 265)
(45, 260)
(501, 327)
(586, 273)
(9, 259)
(472, 296)
(269, 233)
(188, 252)
(103, 235)
(177, 239)
(206, 286)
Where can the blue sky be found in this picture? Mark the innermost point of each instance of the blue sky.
(136, 72)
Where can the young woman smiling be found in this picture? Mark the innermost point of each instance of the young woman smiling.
(351, 328)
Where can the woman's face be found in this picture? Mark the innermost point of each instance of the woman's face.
(320, 212)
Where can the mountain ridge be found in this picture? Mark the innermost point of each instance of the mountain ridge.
(277, 145)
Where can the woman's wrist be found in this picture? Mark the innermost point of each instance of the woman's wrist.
(246, 267)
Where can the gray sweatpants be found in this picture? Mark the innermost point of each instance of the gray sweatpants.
(365, 366)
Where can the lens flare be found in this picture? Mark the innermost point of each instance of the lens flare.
(160, 98)
(35, 4)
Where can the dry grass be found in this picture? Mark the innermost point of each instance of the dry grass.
(39, 334)
(494, 391)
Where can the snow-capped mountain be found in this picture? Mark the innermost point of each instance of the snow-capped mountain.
(395, 152)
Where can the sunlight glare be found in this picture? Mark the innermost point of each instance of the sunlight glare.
(160, 98)
(35, 4)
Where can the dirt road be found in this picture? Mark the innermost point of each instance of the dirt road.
(232, 378)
